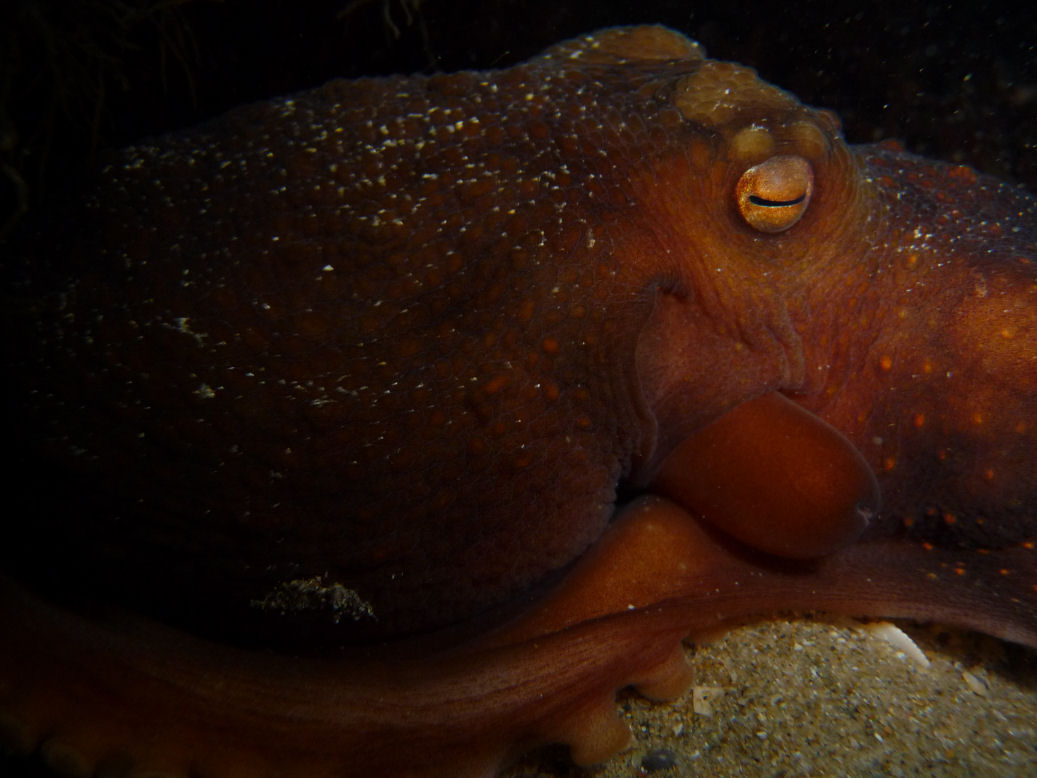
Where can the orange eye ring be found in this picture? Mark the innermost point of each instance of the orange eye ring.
(774, 195)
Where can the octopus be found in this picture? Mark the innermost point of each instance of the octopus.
(391, 427)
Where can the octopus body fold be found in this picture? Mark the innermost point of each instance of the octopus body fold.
(391, 427)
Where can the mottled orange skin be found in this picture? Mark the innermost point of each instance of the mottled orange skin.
(394, 364)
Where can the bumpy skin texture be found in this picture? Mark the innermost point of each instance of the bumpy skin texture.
(388, 357)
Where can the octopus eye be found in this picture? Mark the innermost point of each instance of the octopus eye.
(773, 195)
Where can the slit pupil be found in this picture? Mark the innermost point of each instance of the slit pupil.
(757, 200)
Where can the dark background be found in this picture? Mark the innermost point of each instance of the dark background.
(956, 81)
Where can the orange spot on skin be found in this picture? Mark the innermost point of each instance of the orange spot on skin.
(889, 463)
(526, 310)
(959, 571)
(964, 174)
(549, 345)
(919, 420)
(495, 384)
(988, 474)
(927, 546)
(886, 362)
(950, 518)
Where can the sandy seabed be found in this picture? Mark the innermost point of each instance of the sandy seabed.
(816, 698)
